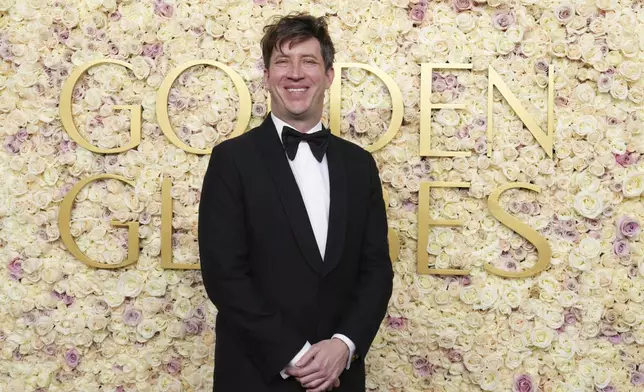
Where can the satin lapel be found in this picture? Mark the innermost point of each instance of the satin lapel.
(338, 206)
(290, 196)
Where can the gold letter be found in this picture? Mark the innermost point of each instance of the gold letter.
(164, 91)
(545, 140)
(426, 106)
(64, 219)
(392, 236)
(166, 230)
(545, 252)
(67, 119)
(396, 100)
(423, 227)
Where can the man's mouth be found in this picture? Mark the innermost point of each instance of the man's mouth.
(296, 90)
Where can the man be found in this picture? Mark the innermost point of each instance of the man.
(293, 234)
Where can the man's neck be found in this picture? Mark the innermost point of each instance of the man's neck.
(303, 126)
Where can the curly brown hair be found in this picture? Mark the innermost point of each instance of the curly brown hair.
(294, 29)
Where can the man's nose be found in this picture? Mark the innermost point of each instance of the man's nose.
(295, 71)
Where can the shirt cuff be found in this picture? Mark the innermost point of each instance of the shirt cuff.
(296, 358)
(350, 345)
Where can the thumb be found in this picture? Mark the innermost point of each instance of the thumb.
(308, 356)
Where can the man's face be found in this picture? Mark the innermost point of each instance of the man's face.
(296, 80)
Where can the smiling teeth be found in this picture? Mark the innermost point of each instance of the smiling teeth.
(296, 89)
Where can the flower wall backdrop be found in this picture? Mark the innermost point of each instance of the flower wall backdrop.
(578, 326)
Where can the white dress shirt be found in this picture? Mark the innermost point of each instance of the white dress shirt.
(312, 179)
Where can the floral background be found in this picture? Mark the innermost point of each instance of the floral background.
(578, 326)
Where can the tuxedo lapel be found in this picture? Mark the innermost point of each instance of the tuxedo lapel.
(338, 206)
(289, 193)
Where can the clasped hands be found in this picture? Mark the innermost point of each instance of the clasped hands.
(320, 368)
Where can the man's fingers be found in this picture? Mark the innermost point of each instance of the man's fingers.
(309, 378)
(321, 388)
(336, 383)
(308, 356)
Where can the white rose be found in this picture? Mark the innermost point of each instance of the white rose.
(473, 361)
(129, 284)
(181, 307)
(589, 204)
(585, 125)
(541, 337)
(490, 381)
(590, 247)
(601, 378)
(156, 287)
(633, 185)
(146, 329)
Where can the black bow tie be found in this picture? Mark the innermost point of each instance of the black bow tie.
(318, 142)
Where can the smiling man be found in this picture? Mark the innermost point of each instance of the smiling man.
(293, 234)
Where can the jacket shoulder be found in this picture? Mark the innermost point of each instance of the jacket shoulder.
(241, 142)
(352, 151)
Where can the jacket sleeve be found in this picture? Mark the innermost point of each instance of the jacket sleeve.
(269, 340)
(368, 303)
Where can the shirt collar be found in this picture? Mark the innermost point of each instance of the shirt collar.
(279, 124)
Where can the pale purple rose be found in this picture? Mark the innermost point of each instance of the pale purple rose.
(480, 146)
(451, 81)
(511, 265)
(463, 132)
(422, 367)
(72, 358)
(462, 5)
(193, 326)
(132, 317)
(68, 299)
(570, 318)
(153, 50)
(439, 85)
(604, 82)
(562, 102)
(11, 145)
(259, 109)
(628, 227)
(200, 312)
(503, 20)
(615, 339)
(608, 388)
(564, 13)
(15, 268)
(49, 349)
(523, 383)
(396, 322)
(426, 371)
(624, 160)
(571, 284)
(114, 16)
(418, 362)
(163, 9)
(454, 355)
(30, 318)
(637, 378)
(174, 366)
(120, 388)
(621, 248)
(465, 280)
(417, 14)
(260, 2)
(571, 236)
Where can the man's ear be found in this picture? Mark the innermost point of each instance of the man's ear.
(330, 74)
(265, 77)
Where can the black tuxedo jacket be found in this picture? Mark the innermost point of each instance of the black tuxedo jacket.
(262, 269)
